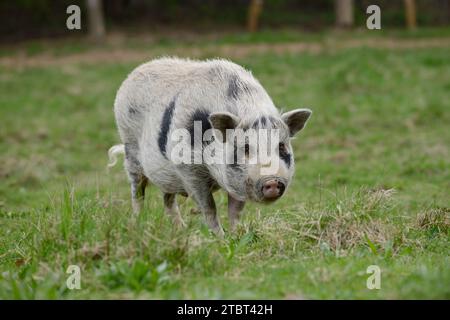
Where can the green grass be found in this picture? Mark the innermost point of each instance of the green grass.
(144, 41)
(371, 188)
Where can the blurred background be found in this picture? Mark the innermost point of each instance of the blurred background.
(30, 19)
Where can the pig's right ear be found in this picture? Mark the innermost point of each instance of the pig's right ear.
(222, 121)
(296, 120)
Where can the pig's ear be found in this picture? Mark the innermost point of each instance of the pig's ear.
(296, 120)
(222, 121)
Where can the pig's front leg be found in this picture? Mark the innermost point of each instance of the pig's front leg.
(198, 185)
(205, 201)
(234, 211)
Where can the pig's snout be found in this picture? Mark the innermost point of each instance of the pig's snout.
(272, 189)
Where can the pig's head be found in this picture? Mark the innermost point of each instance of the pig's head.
(259, 156)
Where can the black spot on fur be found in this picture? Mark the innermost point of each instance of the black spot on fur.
(276, 122)
(201, 116)
(236, 86)
(233, 88)
(263, 121)
(165, 127)
(260, 123)
(285, 156)
(132, 111)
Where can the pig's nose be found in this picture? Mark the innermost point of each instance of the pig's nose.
(272, 189)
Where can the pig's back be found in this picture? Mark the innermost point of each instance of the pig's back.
(218, 85)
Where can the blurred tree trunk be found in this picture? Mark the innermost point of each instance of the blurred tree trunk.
(410, 13)
(344, 13)
(254, 11)
(96, 20)
(445, 11)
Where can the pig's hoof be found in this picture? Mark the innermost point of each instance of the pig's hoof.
(179, 223)
(219, 232)
(195, 211)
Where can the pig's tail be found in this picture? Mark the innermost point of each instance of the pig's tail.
(113, 152)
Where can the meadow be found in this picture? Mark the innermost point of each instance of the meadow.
(371, 185)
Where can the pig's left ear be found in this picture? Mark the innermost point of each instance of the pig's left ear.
(296, 120)
(222, 121)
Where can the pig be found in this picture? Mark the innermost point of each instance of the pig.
(169, 94)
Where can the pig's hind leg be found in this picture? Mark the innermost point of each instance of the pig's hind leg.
(136, 176)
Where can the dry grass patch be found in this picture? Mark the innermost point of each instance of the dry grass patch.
(437, 219)
(362, 219)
